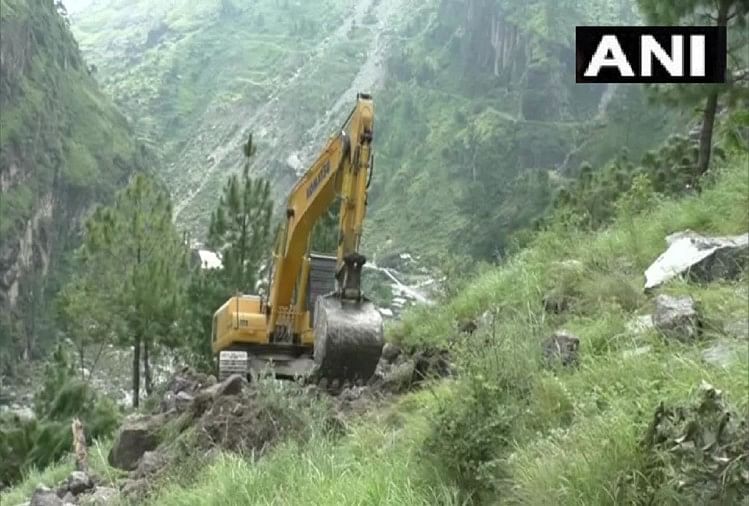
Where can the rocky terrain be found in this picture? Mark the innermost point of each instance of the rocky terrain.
(194, 417)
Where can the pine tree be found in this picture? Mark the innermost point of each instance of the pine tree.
(240, 227)
(240, 232)
(729, 13)
(138, 261)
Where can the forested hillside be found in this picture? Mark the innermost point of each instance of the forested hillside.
(63, 146)
(554, 303)
(478, 121)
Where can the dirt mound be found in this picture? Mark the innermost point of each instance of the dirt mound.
(246, 423)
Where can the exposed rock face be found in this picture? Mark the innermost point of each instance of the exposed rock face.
(136, 437)
(51, 167)
(704, 258)
(676, 318)
(561, 348)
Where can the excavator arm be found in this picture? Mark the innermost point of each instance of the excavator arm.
(341, 329)
(341, 170)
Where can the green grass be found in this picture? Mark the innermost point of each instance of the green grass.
(572, 437)
(377, 462)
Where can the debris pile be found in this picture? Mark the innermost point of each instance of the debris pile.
(702, 451)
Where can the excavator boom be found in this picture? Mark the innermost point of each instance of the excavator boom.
(336, 334)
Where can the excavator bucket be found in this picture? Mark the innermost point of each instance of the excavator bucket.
(348, 339)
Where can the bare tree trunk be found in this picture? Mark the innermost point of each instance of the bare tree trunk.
(706, 134)
(147, 365)
(711, 106)
(79, 446)
(136, 371)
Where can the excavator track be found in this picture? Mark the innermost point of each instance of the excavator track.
(348, 339)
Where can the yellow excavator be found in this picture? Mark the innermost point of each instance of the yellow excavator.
(315, 320)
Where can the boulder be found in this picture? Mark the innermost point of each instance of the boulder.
(561, 348)
(149, 463)
(723, 353)
(390, 352)
(230, 386)
(134, 488)
(102, 496)
(738, 329)
(44, 496)
(137, 436)
(640, 324)
(676, 317)
(399, 377)
(78, 482)
(704, 258)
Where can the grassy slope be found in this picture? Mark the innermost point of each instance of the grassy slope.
(528, 435)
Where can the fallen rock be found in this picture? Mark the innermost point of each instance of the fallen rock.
(134, 488)
(183, 401)
(78, 482)
(640, 324)
(230, 386)
(738, 329)
(149, 464)
(390, 352)
(102, 496)
(561, 348)
(399, 377)
(44, 496)
(676, 318)
(704, 258)
(68, 498)
(137, 436)
(187, 380)
(723, 353)
(430, 363)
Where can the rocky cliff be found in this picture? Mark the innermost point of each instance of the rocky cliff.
(63, 146)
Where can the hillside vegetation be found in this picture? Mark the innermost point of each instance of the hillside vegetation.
(508, 429)
(63, 146)
(538, 370)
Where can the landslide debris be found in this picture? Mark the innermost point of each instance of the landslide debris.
(701, 450)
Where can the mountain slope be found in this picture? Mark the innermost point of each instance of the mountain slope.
(63, 146)
(198, 77)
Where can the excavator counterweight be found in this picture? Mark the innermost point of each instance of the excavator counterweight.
(315, 321)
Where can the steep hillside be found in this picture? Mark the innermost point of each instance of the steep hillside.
(481, 120)
(62, 147)
(197, 77)
(640, 413)
(475, 102)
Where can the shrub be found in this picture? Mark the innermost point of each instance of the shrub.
(41, 441)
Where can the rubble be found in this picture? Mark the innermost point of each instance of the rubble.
(699, 450)
(676, 318)
(79, 482)
(137, 436)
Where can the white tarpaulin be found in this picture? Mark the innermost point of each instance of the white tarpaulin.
(685, 250)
